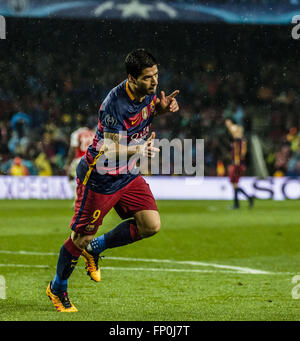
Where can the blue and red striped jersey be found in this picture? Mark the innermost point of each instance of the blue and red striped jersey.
(119, 113)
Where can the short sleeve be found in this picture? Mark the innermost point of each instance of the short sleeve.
(111, 120)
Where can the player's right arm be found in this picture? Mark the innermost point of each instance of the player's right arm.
(113, 149)
(112, 122)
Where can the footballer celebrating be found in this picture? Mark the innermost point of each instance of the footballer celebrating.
(130, 107)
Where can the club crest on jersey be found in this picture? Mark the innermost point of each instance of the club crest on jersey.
(152, 106)
(145, 113)
(90, 228)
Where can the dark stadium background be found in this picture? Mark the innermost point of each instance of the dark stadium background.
(58, 71)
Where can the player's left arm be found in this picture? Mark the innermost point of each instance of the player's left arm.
(166, 103)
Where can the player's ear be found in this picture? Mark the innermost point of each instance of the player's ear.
(131, 79)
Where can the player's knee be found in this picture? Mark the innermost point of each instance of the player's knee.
(81, 240)
(150, 228)
(148, 223)
(155, 226)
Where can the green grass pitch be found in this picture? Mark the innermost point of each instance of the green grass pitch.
(208, 263)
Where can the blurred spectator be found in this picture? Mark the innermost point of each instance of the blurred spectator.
(29, 165)
(20, 122)
(41, 161)
(293, 168)
(19, 140)
(281, 159)
(18, 168)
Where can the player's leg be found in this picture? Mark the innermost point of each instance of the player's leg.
(232, 174)
(67, 260)
(240, 172)
(148, 223)
(87, 224)
(250, 198)
(123, 234)
(145, 224)
(136, 202)
(236, 203)
(84, 224)
(57, 289)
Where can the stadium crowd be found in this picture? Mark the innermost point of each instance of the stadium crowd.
(44, 97)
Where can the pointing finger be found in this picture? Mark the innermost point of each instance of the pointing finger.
(174, 93)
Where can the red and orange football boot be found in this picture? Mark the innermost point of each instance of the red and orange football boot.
(61, 301)
(91, 262)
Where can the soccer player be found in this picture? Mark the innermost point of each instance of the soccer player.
(80, 140)
(130, 107)
(238, 167)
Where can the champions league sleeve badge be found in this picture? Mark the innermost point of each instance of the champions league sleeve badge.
(110, 121)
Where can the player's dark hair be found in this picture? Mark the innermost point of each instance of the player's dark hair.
(137, 60)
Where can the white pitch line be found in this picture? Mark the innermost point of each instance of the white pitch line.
(147, 260)
(23, 266)
(194, 263)
(171, 270)
(29, 253)
(122, 268)
(39, 266)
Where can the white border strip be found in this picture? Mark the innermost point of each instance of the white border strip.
(162, 187)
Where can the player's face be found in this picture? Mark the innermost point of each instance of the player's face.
(147, 81)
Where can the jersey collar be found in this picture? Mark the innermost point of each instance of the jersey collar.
(128, 91)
